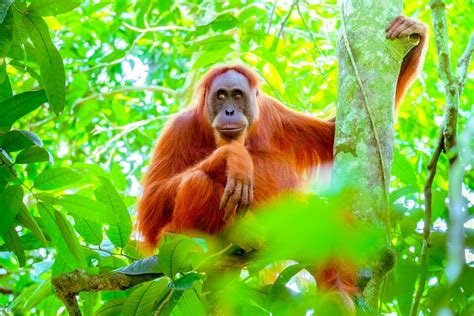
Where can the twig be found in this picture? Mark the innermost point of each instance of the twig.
(453, 84)
(463, 63)
(102, 95)
(117, 61)
(427, 224)
(271, 16)
(68, 285)
(121, 254)
(157, 28)
(282, 25)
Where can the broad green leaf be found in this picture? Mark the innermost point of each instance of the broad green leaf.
(114, 55)
(211, 57)
(33, 154)
(17, 140)
(143, 299)
(402, 169)
(5, 86)
(186, 281)
(112, 307)
(90, 231)
(173, 255)
(111, 263)
(85, 207)
(25, 219)
(20, 104)
(13, 243)
(167, 305)
(62, 235)
(56, 178)
(88, 301)
(120, 232)
(6, 29)
(11, 202)
(118, 178)
(149, 265)
(39, 294)
(49, 61)
(189, 304)
(52, 7)
(285, 276)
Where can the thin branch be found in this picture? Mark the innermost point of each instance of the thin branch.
(122, 90)
(271, 16)
(282, 25)
(427, 224)
(463, 63)
(157, 28)
(117, 61)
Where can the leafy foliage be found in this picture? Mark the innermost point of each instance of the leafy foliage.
(88, 86)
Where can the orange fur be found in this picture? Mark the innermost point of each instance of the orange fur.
(189, 168)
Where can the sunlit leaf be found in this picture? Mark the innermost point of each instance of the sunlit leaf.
(56, 178)
(85, 207)
(33, 154)
(20, 104)
(62, 234)
(90, 231)
(119, 233)
(52, 7)
(14, 244)
(17, 140)
(144, 297)
(27, 220)
(49, 61)
(11, 202)
(112, 307)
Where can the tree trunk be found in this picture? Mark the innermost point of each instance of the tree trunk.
(369, 66)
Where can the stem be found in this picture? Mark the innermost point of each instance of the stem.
(427, 224)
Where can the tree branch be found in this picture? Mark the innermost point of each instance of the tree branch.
(427, 224)
(463, 63)
(70, 284)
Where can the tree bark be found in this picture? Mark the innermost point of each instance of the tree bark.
(369, 66)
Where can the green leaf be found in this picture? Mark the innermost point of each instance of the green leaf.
(49, 61)
(173, 255)
(20, 104)
(143, 299)
(90, 231)
(52, 7)
(149, 265)
(11, 201)
(39, 294)
(211, 57)
(33, 154)
(402, 169)
(279, 287)
(89, 209)
(56, 178)
(62, 235)
(112, 307)
(6, 29)
(13, 243)
(189, 304)
(186, 281)
(120, 232)
(17, 140)
(114, 55)
(27, 220)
